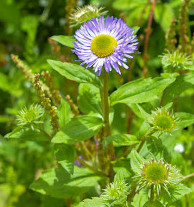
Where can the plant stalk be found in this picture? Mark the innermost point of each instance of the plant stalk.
(152, 194)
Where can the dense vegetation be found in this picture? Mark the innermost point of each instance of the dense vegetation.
(71, 138)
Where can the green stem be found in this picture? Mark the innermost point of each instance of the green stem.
(152, 194)
(106, 106)
(143, 139)
(106, 131)
(131, 194)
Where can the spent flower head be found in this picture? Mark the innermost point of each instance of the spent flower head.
(86, 13)
(105, 43)
(176, 61)
(28, 116)
(162, 120)
(116, 192)
(158, 174)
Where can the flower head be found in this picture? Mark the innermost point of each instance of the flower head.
(116, 192)
(157, 173)
(86, 13)
(105, 42)
(27, 116)
(176, 61)
(162, 121)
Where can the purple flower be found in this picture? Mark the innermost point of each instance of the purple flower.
(105, 42)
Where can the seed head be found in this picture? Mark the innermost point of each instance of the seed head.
(86, 13)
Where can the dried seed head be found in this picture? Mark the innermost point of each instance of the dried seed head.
(86, 13)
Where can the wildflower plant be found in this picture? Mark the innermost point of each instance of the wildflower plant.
(113, 145)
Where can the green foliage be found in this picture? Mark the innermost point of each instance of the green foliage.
(105, 151)
(65, 155)
(75, 72)
(140, 91)
(89, 99)
(121, 140)
(28, 133)
(58, 183)
(78, 129)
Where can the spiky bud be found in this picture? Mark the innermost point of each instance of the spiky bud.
(116, 192)
(86, 13)
(31, 115)
(158, 174)
(162, 120)
(176, 62)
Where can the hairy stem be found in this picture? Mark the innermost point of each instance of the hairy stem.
(152, 194)
(187, 176)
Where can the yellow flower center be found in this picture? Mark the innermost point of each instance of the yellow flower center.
(103, 45)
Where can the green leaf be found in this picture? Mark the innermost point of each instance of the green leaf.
(176, 192)
(140, 91)
(28, 134)
(89, 99)
(64, 40)
(64, 113)
(136, 161)
(121, 140)
(139, 111)
(78, 129)
(123, 165)
(182, 83)
(94, 202)
(65, 155)
(57, 182)
(185, 119)
(75, 72)
(156, 147)
(154, 204)
(140, 198)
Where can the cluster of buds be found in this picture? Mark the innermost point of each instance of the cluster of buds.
(55, 96)
(184, 44)
(72, 105)
(70, 5)
(24, 68)
(46, 103)
(28, 73)
(170, 36)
